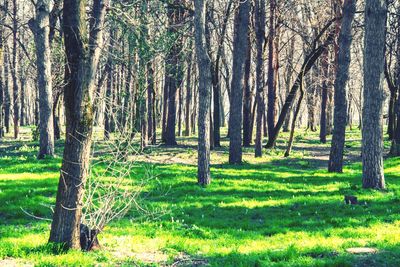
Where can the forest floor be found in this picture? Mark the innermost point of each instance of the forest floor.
(271, 211)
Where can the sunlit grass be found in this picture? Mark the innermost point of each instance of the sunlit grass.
(268, 212)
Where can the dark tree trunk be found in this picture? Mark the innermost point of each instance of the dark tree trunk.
(372, 132)
(272, 71)
(83, 55)
(188, 96)
(217, 99)
(293, 126)
(240, 45)
(324, 96)
(41, 31)
(342, 76)
(247, 100)
(174, 69)
(205, 85)
(150, 103)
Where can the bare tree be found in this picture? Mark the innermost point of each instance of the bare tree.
(82, 50)
(205, 87)
(374, 58)
(40, 27)
(342, 76)
(240, 43)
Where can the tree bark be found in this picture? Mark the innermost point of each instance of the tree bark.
(240, 45)
(272, 71)
(174, 68)
(342, 76)
(372, 132)
(2, 63)
(205, 86)
(16, 102)
(324, 96)
(41, 31)
(247, 100)
(83, 52)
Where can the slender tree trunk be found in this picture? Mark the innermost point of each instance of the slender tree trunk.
(180, 110)
(324, 96)
(83, 52)
(150, 103)
(16, 98)
(293, 126)
(41, 31)
(7, 97)
(342, 76)
(240, 45)
(165, 104)
(188, 96)
(372, 132)
(205, 85)
(247, 100)
(2, 63)
(272, 70)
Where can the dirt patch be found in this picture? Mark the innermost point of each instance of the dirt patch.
(11, 262)
(185, 260)
(362, 250)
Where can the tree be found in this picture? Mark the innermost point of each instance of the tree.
(205, 87)
(40, 27)
(342, 76)
(2, 63)
(260, 19)
(14, 69)
(374, 59)
(240, 43)
(83, 51)
(272, 69)
(174, 68)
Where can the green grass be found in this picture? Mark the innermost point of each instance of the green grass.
(267, 212)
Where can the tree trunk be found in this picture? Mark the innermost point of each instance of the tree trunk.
(342, 76)
(247, 100)
(188, 96)
(150, 103)
(41, 30)
(272, 70)
(174, 68)
(293, 126)
(83, 52)
(7, 97)
(16, 102)
(109, 69)
(324, 96)
(205, 86)
(240, 45)
(2, 63)
(372, 132)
